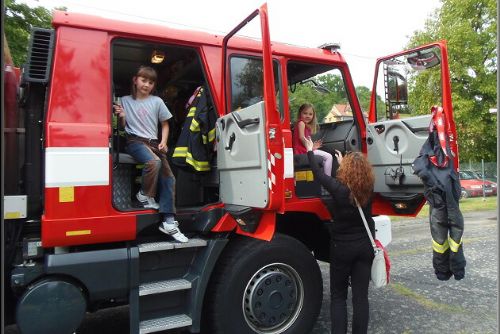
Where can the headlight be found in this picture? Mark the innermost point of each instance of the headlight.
(476, 187)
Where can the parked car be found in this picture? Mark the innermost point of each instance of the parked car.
(488, 175)
(472, 185)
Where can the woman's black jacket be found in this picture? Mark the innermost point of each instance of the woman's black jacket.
(347, 222)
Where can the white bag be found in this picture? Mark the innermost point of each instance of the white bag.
(379, 270)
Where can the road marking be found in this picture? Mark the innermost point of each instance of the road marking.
(424, 301)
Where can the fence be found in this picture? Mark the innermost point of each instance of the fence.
(488, 169)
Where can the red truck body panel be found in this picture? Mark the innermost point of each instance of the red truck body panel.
(79, 94)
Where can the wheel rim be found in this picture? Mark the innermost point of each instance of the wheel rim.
(273, 298)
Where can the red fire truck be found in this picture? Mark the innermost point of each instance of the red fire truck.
(76, 241)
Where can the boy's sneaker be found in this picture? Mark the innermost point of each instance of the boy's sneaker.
(172, 229)
(146, 201)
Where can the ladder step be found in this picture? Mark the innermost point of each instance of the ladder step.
(161, 324)
(164, 286)
(166, 245)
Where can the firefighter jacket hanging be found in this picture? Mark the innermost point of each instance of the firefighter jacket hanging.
(194, 148)
(435, 167)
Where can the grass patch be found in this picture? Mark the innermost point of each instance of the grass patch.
(424, 301)
(466, 205)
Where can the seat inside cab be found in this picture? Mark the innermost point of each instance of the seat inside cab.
(323, 86)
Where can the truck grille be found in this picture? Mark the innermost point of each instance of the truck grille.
(39, 55)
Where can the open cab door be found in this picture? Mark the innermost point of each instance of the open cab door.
(407, 85)
(250, 143)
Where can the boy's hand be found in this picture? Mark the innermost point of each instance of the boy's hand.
(119, 110)
(163, 147)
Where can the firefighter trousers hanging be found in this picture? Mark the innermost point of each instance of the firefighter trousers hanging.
(435, 167)
(447, 225)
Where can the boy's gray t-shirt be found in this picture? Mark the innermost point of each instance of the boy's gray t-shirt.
(142, 116)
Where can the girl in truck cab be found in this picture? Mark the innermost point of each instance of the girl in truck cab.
(351, 252)
(305, 127)
(140, 113)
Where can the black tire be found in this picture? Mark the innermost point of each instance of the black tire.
(464, 193)
(264, 287)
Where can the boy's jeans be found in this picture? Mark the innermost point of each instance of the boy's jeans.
(157, 177)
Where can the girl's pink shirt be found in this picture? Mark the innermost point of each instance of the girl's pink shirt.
(298, 146)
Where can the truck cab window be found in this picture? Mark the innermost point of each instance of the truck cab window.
(408, 85)
(246, 82)
(324, 87)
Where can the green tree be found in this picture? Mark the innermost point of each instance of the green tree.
(19, 19)
(323, 102)
(469, 26)
(364, 95)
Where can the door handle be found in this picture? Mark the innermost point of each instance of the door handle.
(395, 139)
(232, 138)
(244, 123)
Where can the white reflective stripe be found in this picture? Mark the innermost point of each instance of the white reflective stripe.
(76, 166)
(273, 159)
(288, 163)
(271, 178)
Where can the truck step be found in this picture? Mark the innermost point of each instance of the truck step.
(164, 286)
(166, 245)
(161, 324)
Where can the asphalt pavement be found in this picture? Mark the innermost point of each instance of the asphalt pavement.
(415, 302)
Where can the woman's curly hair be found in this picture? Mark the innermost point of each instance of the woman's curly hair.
(356, 172)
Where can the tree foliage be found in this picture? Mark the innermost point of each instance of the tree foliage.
(469, 27)
(323, 103)
(364, 94)
(19, 19)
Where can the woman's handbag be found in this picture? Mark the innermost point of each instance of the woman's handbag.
(381, 264)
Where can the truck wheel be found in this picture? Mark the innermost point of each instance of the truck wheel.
(264, 287)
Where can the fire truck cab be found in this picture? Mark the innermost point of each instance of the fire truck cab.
(77, 241)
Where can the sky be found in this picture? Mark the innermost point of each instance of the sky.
(365, 29)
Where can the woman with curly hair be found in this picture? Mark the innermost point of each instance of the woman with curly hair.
(351, 252)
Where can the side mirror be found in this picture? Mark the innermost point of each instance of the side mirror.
(422, 60)
(397, 91)
(397, 87)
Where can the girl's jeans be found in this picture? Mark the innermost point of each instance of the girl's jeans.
(327, 161)
(157, 177)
